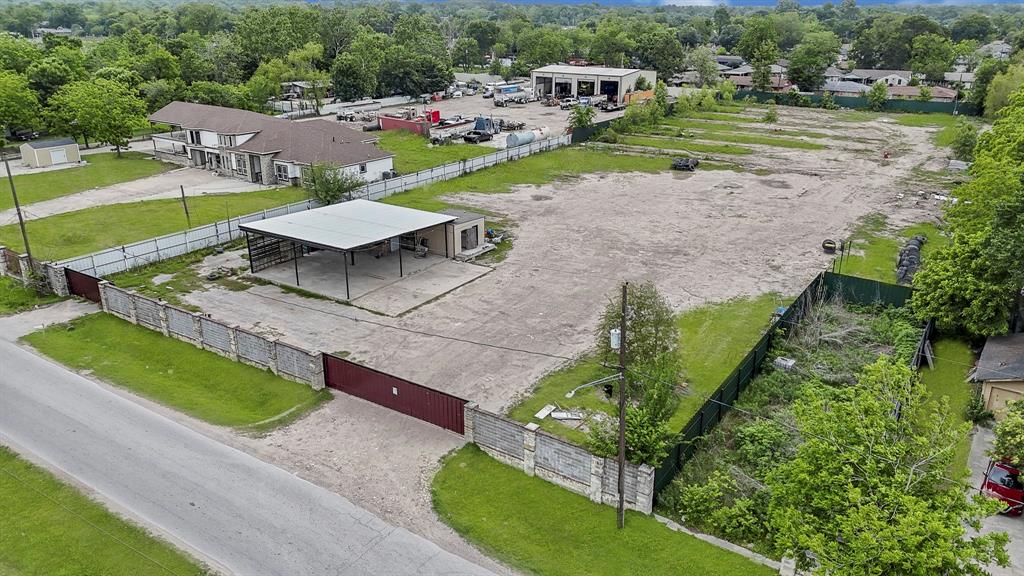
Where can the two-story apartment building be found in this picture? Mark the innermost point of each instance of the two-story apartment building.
(262, 148)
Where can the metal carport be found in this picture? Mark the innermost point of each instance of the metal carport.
(348, 228)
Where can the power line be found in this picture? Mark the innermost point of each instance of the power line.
(88, 522)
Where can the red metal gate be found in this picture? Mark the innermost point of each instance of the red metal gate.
(392, 392)
(83, 285)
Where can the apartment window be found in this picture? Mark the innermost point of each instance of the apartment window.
(193, 137)
(362, 168)
(240, 164)
(281, 172)
(226, 140)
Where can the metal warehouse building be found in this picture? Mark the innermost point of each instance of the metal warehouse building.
(562, 80)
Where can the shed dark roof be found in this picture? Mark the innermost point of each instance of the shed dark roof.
(305, 142)
(1002, 358)
(55, 143)
(463, 215)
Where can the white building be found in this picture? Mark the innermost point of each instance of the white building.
(262, 148)
(562, 80)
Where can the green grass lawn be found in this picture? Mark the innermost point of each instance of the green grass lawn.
(740, 138)
(688, 146)
(539, 528)
(945, 122)
(93, 229)
(414, 152)
(723, 116)
(536, 169)
(49, 528)
(732, 128)
(103, 169)
(954, 360)
(876, 247)
(175, 373)
(713, 340)
(15, 297)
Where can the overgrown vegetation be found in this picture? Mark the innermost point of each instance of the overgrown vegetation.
(51, 528)
(16, 297)
(516, 519)
(772, 475)
(194, 381)
(414, 152)
(875, 247)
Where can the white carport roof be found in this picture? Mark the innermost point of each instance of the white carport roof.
(347, 225)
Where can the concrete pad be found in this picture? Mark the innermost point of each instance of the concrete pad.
(420, 287)
(374, 283)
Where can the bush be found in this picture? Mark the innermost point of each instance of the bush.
(965, 137)
(609, 136)
(975, 410)
(762, 445)
(827, 102)
(695, 503)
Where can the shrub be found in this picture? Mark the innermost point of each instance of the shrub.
(695, 503)
(609, 136)
(975, 410)
(965, 137)
(762, 445)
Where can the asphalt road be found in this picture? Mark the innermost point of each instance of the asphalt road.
(238, 513)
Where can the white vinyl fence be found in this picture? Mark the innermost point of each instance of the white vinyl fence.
(129, 256)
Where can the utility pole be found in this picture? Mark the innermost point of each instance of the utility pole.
(17, 209)
(622, 410)
(184, 204)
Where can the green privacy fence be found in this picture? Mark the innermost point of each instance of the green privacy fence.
(824, 286)
(860, 102)
(584, 134)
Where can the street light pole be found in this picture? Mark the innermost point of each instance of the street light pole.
(622, 410)
(17, 209)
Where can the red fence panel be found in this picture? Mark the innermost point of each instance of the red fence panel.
(396, 393)
(83, 285)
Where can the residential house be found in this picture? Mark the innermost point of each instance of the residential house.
(869, 76)
(843, 88)
(779, 83)
(748, 70)
(833, 74)
(939, 94)
(1001, 371)
(958, 79)
(728, 60)
(261, 148)
(998, 49)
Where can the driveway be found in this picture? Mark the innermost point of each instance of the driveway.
(233, 511)
(1014, 527)
(167, 185)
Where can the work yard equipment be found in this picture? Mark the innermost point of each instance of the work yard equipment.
(685, 164)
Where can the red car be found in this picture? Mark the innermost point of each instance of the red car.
(1002, 481)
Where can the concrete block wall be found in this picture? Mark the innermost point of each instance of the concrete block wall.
(562, 463)
(202, 332)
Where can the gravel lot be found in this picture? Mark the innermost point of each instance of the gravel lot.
(700, 237)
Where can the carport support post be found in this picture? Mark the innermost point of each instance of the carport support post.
(348, 295)
(295, 259)
(401, 272)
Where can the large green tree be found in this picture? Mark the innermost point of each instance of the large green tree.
(810, 59)
(867, 493)
(661, 51)
(932, 56)
(19, 107)
(764, 57)
(17, 53)
(757, 31)
(976, 26)
(106, 110)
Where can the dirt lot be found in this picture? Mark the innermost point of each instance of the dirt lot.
(700, 237)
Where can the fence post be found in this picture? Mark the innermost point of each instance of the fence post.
(3, 260)
(316, 370)
(644, 489)
(469, 424)
(530, 448)
(103, 284)
(26, 270)
(272, 355)
(596, 478)
(233, 342)
(133, 316)
(57, 278)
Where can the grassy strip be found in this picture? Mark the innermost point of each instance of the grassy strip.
(175, 373)
(732, 128)
(536, 169)
(85, 231)
(673, 144)
(181, 277)
(15, 297)
(724, 117)
(542, 529)
(713, 340)
(954, 360)
(103, 169)
(414, 152)
(740, 138)
(879, 247)
(50, 528)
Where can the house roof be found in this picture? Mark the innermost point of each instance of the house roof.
(844, 86)
(778, 81)
(586, 70)
(833, 71)
(304, 142)
(963, 77)
(876, 74)
(347, 225)
(54, 143)
(191, 116)
(312, 142)
(747, 70)
(1002, 358)
(915, 91)
(463, 215)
